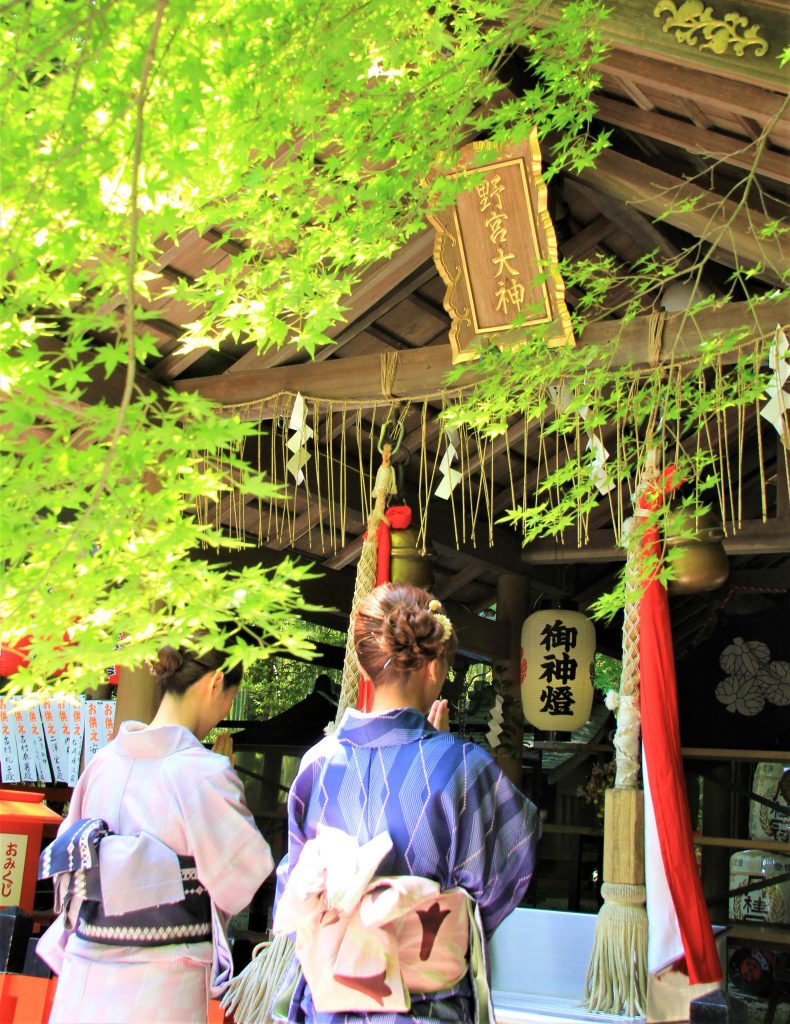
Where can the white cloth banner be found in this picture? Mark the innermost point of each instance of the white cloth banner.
(56, 733)
(36, 735)
(669, 991)
(24, 745)
(9, 758)
(76, 724)
(106, 721)
(90, 717)
(664, 945)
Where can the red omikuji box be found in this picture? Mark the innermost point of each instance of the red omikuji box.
(23, 815)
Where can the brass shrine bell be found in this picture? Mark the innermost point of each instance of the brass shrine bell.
(407, 564)
(695, 552)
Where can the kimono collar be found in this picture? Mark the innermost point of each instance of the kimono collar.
(135, 739)
(390, 729)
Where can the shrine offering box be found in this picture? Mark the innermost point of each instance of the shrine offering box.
(23, 815)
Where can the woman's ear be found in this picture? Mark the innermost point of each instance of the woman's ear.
(215, 684)
(437, 671)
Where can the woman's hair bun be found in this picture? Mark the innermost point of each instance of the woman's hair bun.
(169, 662)
(412, 636)
(398, 630)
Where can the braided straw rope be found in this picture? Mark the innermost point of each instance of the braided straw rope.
(626, 700)
(365, 582)
(249, 996)
(617, 975)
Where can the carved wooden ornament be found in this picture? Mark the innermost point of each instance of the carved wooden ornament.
(497, 253)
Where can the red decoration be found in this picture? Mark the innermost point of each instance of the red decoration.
(14, 656)
(661, 743)
(398, 518)
(112, 674)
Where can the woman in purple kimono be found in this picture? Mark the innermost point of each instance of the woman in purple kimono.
(141, 934)
(407, 845)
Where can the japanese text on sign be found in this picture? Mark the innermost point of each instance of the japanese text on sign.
(12, 850)
(558, 669)
(509, 291)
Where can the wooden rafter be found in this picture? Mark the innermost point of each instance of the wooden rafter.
(597, 230)
(730, 228)
(701, 87)
(705, 142)
(457, 581)
(635, 224)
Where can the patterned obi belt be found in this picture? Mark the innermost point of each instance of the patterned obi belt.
(366, 942)
(125, 890)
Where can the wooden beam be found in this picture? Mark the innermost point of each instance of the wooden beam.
(357, 380)
(346, 556)
(733, 231)
(302, 525)
(110, 389)
(600, 227)
(635, 224)
(711, 91)
(457, 581)
(639, 228)
(753, 538)
(705, 142)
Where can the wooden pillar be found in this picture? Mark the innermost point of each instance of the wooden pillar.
(511, 602)
(137, 698)
(716, 821)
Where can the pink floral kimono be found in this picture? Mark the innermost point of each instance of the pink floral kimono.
(163, 796)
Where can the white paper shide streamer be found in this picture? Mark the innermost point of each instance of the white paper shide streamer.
(775, 411)
(450, 477)
(603, 482)
(301, 433)
(495, 723)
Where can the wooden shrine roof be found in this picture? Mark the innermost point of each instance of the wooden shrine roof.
(674, 112)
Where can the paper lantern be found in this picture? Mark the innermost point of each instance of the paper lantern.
(557, 655)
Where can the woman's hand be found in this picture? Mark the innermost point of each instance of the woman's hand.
(439, 715)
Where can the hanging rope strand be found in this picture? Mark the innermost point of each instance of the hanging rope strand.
(365, 579)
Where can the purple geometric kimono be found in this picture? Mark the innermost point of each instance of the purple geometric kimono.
(452, 816)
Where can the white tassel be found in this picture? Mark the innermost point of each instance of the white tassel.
(617, 976)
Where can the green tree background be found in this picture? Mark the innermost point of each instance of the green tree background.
(299, 130)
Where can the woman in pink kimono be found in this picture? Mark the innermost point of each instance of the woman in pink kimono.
(141, 935)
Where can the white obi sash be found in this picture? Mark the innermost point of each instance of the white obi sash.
(365, 942)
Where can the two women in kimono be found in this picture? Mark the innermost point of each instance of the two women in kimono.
(141, 937)
(407, 845)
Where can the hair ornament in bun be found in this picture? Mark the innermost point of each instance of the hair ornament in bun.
(435, 607)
